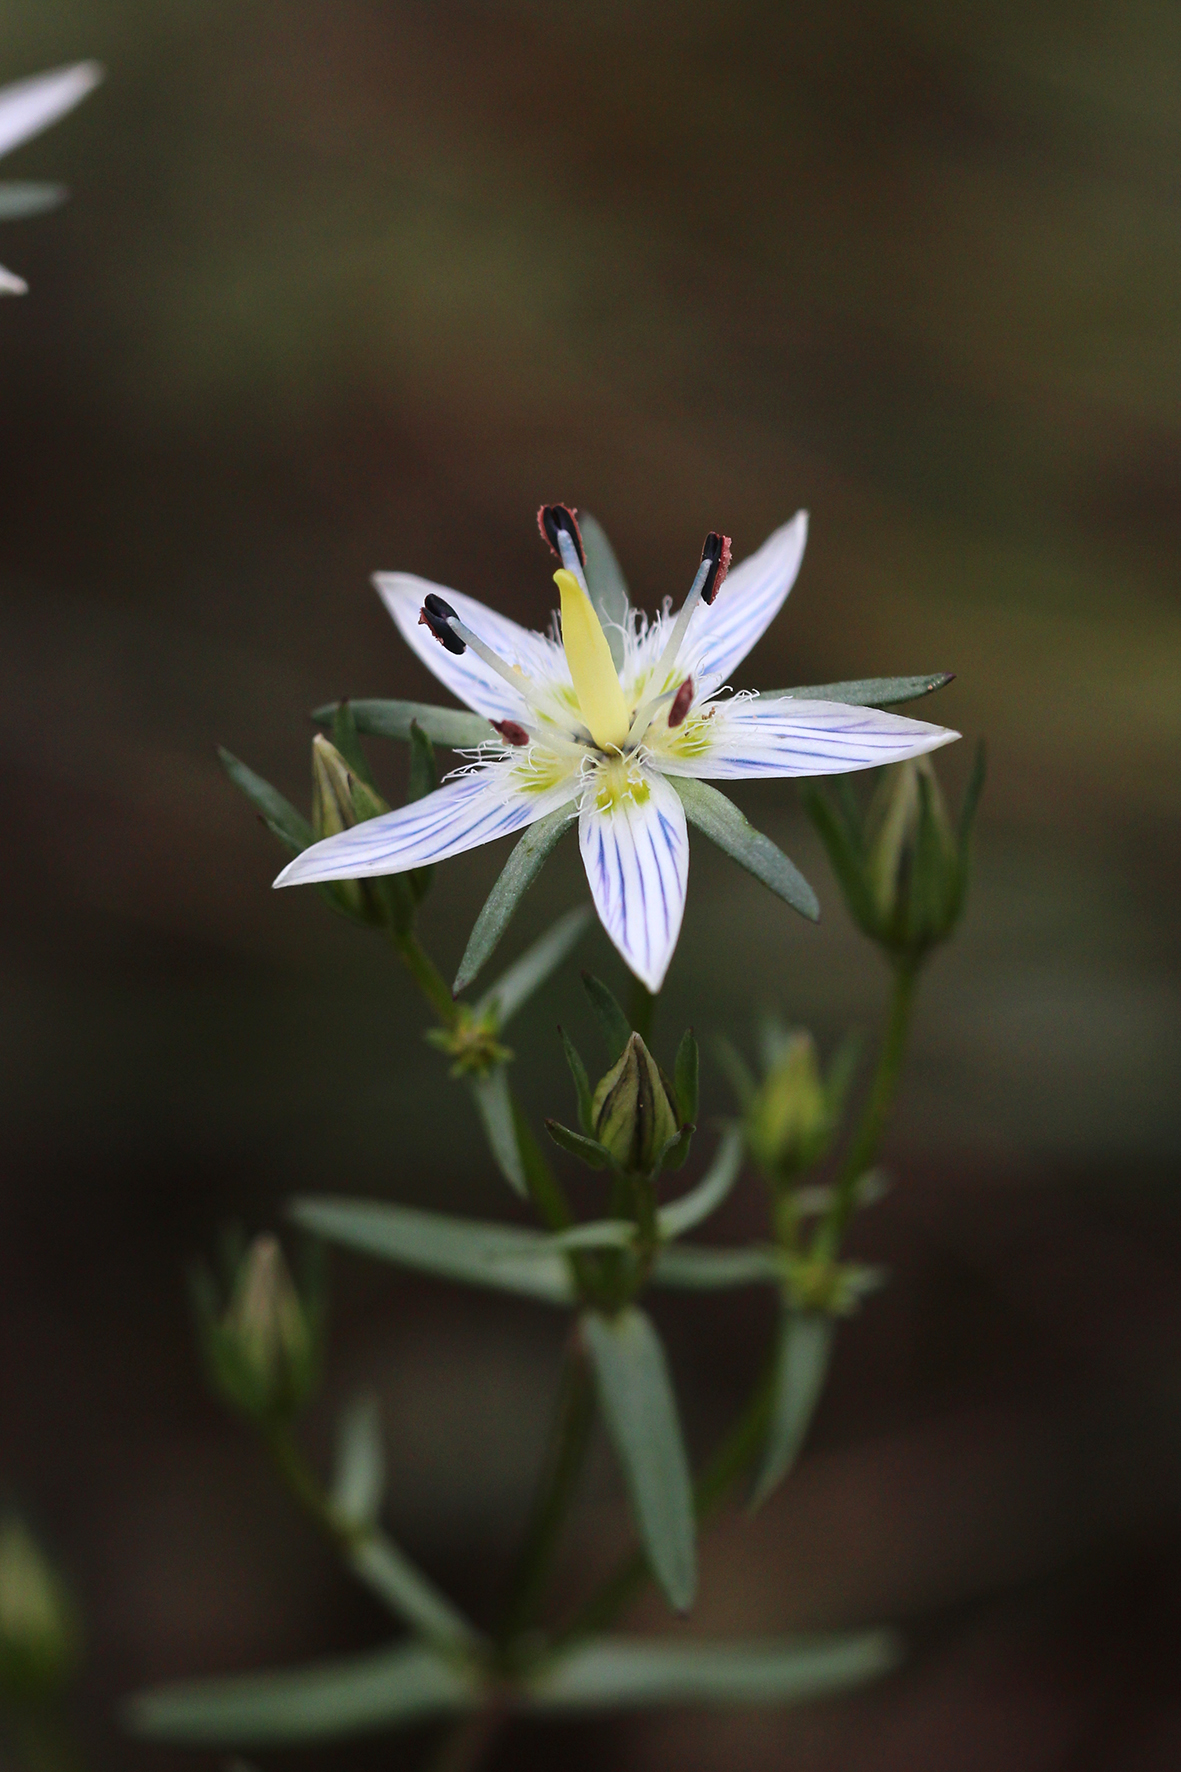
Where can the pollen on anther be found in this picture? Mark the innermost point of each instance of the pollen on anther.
(682, 701)
(551, 519)
(717, 552)
(511, 732)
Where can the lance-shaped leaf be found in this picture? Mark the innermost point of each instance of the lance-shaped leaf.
(494, 1104)
(358, 1481)
(606, 583)
(636, 1397)
(388, 1689)
(681, 1215)
(725, 825)
(526, 975)
(278, 814)
(582, 1086)
(453, 728)
(686, 1074)
(700, 1268)
(587, 1150)
(801, 1366)
(408, 1593)
(479, 1254)
(618, 1672)
(866, 692)
(19, 200)
(528, 858)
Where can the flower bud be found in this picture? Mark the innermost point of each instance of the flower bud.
(472, 1042)
(263, 1349)
(790, 1117)
(634, 1110)
(38, 1625)
(340, 799)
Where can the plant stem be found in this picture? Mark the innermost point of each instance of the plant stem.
(641, 1009)
(878, 1103)
(556, 1490)
(426, 975)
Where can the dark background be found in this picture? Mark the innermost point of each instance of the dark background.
(357, 286)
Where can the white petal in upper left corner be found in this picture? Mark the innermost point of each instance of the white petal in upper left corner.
(12, 285)
(637, 863)
(462, 814)
(749, 737)
(467, 676)
(29, 106)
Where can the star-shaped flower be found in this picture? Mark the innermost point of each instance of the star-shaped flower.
(604, 721)
(26, 108)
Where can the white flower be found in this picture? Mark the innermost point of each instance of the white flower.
(26, 108)
(574, 730)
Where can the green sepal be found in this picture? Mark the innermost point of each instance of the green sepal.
(721, 821)
(528, 857)
(344, 737)
(617, 1029)
(865, 692)
(686, 1075)
(278, 814)
(453, 728)
(587, 1150)
(582, 1086)
(676, 1152)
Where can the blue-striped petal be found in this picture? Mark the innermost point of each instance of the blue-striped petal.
(467, 676)
(636, 854)
(29, 106)
(745, 738)
(751, 597)
(466, 811)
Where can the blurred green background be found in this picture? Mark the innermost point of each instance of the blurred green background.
(358, 286)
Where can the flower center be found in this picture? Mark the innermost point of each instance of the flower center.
(619, 779)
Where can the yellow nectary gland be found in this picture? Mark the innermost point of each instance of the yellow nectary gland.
(617, 781)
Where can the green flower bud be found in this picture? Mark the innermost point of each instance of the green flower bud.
(263, 1349)
(789, 1120)
(340, 799)
(634, 1110)
(38, 1623)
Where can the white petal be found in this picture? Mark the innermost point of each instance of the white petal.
(751, 596)
(12, 285)
(468, 677)
(637, 862)
(466, 811)
(748, 737)
(28, 106)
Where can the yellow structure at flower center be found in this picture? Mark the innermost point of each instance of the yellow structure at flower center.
(596, 682)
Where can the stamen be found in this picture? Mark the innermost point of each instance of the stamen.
(682, 701)
(715, 563)
(511, 732)
(717, 552)
(559, 527)
(437, 616)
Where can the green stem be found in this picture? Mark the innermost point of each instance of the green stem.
(426, 975)
(878, 1103)
(732, 1457)
(555, 1495)
(641, 1009)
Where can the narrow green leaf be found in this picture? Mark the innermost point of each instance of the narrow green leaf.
(701, 1268)
(358, 1482)
(865, 692)
(687, 1073)
(529, 973)
(390, 1574)
(675, 1153)
(546, 1195)
(528, 858)
(587, 1150)
(454, 728)
(738, 1072)
(606, 584)
(387, 1689)
(801, 1366)
(495, 1108)
(617, 1029)
(278, 814)
(681, 1215)
(844, 858)
(479, 1254)
(617, 1672)
(19, 200)
(582, 1086)
(344, 738)
(972, 797)
(724, 824)
(636, 1397)
(598, 1233)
